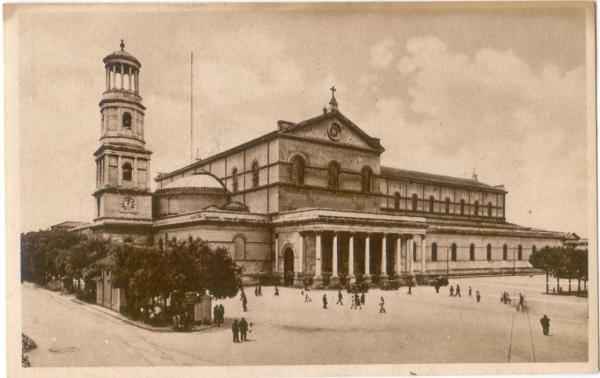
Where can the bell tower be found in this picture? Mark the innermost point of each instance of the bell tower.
(122, 192)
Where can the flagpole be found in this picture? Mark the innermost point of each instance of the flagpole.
(191, 106)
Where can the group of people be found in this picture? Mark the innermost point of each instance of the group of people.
(455, 292)
(240, 329)
(219, 314)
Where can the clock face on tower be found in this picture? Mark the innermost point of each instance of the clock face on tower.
(128, 203)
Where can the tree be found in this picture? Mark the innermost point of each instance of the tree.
(540, 260)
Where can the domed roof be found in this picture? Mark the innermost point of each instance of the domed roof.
(122, 55)
(198, 180)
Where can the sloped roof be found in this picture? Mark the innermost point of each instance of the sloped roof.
(198, 180)
(405, 174)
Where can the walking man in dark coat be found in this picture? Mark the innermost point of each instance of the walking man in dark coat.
(244, 329)
(340, 298)
(478, 296)
(545, 322)
(276, 291)
(244, 303)
(382, 306)
(217, 315)
(458, 290)
(470, 292)
(235, 328)
(451, 290)
(325, 301)
(221, 313)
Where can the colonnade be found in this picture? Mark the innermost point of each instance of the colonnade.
(404, 246)
(122, 76)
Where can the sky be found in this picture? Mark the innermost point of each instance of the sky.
(449, 90)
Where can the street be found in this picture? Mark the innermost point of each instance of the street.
(424, 327)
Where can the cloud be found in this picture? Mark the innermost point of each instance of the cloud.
(382, 53)
(518, 125)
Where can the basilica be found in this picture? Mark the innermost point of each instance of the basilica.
(308, 203)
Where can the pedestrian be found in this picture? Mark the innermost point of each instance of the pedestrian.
(353, 304)
(545, 322)
(340, 298)
(260, 290)
(244, 329)
(409, 287)
(276, 291)
(245, 304)
(358, 302)
(235, 328)
(470, 292)
(451, 290)
(362, 298)
(381, 306)
(256, 291)
(437, 288)
(458, 290)
(477, 296)
(221, 313)
(216, 315)
(521, 302)
(325, 301)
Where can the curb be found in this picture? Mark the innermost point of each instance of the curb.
(115, 315)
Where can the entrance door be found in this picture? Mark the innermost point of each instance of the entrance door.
(288, 267)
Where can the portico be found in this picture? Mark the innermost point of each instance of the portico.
(333, 247)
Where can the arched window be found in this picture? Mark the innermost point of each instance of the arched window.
(433, 251)
(126, 120)
(298, 166)
(472, 252)
(234, 178)
(127, 171)
(447, 205)
(453, 252)
(334, 175)
(239, 248)
(366, 179)
(462, 207)
(396, 200)
(488, 252)
(520, 252)
(415, 202)
(504, 252)
(489, 210)
(255, 174)
(431, 203)
(476, 208)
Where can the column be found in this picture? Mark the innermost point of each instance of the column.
(367, 256)
(351, 256)
(300, 254)
(276, 254)
(410, 254)
(129, 76)
(334, 259)
(135, 172)
(107, 79)
(119, 173)
(136, 81)
(122, 75)
(422, 245)
(384, 256)
(399, 255)
(318, 256)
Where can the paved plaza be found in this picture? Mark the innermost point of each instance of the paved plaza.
(424, 327)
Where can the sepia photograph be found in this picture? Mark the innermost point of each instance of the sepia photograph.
(301, 189)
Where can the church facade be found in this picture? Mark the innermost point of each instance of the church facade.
(309, 202)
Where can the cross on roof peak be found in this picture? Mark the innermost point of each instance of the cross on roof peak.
(122, 45)
(333, 102)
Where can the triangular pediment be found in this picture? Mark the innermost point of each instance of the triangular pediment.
(334, 127)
